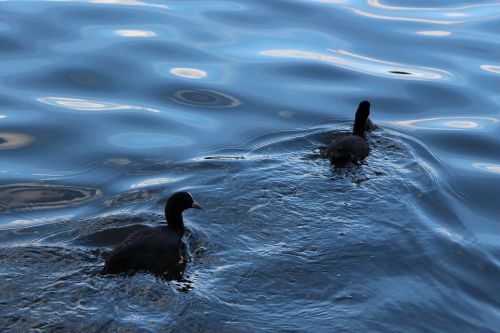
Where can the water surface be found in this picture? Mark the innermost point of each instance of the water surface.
(108, 107)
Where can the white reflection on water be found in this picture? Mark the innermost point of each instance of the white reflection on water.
(118, 161)
(190, 73)
(491, 68)
(10, 140)
(286, 114)
(134, 33)
(35, 221)
(432, 15)
(401, 18)
(364, 64)
(488, 167)
(117, 2)
(2, 116)
(456, 14)
(446, 232)
(86, 105)
(436, 33)
(332, 1)
(154, 181)
(378, 4)
(448, 123)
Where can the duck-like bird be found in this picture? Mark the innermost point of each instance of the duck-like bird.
(350, 148)
(158, 250)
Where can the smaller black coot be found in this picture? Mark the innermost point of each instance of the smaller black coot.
(158, 250)
(350, 148)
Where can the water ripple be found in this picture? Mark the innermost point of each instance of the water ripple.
(434, 33)
(432, 15)
(129, 101)
(86, 105)
(204, 98)
(147, 140)
(190, 73)
(154, 181)
(364, 64)
(134, 33)
(380, 5)
(491, 68)
(9, 140)
(449, 123)
(495, 168)
(33, 197)
(116, 2)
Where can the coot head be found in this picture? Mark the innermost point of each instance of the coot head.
(181, 201)
(361, 118)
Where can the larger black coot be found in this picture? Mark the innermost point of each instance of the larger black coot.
(157, 250)
(350, 148)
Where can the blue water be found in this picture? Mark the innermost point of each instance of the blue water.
(108, 107)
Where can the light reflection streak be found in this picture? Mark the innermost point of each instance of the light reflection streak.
(10, 140)
(362, 64)
(456, 14)
(488, 167)
(400, 18)
(434, 33)
(190, 73)
(491, 68)
(446, 232)
(379, 5)
(134, 33)
(448, 123)
(154, 181)
(116, 2)
(332, 1)
(36, 221)
(85, 105)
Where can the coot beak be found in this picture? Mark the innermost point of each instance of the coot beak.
(196, 205)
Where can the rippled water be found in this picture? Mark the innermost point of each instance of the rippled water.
(109, 106)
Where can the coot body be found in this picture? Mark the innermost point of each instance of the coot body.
(347, 149)
(158, 250)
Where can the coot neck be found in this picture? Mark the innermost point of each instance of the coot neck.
(361, 119)
(174, 220)
(359, 125)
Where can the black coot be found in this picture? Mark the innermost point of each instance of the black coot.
(350, 148)
(157, 250)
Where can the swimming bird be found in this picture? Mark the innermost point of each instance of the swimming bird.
(158, 250)
(350, 148)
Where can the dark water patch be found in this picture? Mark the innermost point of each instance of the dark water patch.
(9, 45)
(204, 98)
(224, 158)
(313, 72)
(166, 51)
(241, 18)
(449, 97)
(71, 78)
(400, 72)
(39, 28)
(102, 15)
